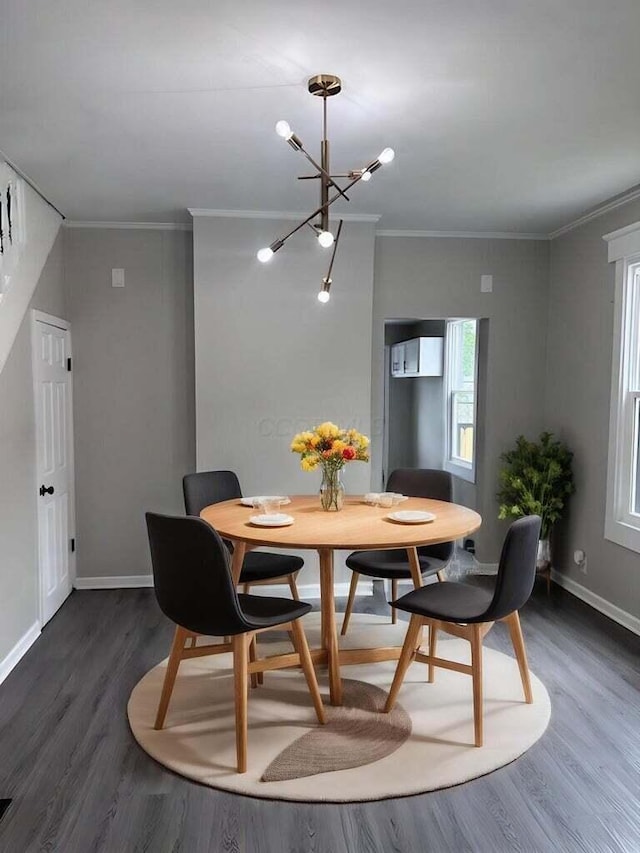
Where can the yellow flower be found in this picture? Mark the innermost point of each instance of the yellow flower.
(328, 430)
(338, 446)
(308, 464)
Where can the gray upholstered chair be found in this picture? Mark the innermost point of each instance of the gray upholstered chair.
(469, 612)
(259, 567)
(393, 564)
(194, 588)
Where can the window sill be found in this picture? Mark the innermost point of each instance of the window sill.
(463, 472)
(622, 534)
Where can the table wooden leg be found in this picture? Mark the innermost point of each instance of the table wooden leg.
(330, 632)
(414, 566)
(239, 550)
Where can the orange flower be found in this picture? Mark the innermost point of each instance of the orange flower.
(349, 453)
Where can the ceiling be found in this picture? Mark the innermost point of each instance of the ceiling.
(505, 115)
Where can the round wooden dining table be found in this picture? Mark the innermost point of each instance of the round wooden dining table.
(356, 527)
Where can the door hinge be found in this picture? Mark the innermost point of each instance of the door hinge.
(73, 545)
(69, 364)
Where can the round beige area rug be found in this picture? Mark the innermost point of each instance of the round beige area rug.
(361, 754)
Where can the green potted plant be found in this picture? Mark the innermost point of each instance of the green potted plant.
(537, 480)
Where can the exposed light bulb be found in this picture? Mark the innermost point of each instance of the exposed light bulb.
(387, 155)
(365, 176)
(265, 255)
(324, 295)
(284, 130)
(325, 238)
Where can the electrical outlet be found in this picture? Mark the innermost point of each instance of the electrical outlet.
(580, 559)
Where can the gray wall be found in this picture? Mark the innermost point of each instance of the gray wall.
(133, 388)
(18, 508)
(579, 352)
(440, 277)
(270, 359)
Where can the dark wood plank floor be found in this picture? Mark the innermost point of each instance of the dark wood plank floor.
(79, 783)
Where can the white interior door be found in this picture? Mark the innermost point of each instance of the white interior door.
(52, 385)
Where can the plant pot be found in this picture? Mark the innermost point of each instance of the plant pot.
(543, 557)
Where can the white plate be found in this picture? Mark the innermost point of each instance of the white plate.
(249, 501)
(411, 516)
(278, 519)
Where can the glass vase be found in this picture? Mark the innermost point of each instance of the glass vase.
(331, 490)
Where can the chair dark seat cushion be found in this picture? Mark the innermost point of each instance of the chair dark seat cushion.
(265, 612)
(393, 564)
(261, 566)
(450, 602)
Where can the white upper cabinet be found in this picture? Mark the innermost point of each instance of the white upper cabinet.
(417, 357)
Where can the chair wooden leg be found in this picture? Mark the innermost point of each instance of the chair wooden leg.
(406, 656)
(352, 596)
(515, 630)
(240, 672)
(302, 647)
(293, 587)
(441, 575)
(170, 676)
(394, 596)
(245, 588)
(253, 656)
(433, 642)
(476, 666)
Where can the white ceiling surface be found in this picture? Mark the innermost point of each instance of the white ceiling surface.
(506, 115)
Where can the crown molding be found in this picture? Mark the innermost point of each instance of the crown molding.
(276, 214)
(135, 226)
(633, 195)
(474, 235)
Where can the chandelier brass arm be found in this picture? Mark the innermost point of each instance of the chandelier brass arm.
(324, 86)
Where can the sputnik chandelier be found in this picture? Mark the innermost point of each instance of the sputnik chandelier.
(323, 86)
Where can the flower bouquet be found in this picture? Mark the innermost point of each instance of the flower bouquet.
(330, 448)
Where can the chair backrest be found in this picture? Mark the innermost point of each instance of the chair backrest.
(425, 483)
(209, 487)
(421, 483)
(517, 568)
(192, 575)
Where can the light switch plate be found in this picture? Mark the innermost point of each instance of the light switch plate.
(117, 278)
(486, 284)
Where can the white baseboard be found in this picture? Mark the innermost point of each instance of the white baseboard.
(124, 582)
(309, 590)
(597, 602)
(19, 650)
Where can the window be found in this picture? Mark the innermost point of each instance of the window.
(461, 380)
(622, 523)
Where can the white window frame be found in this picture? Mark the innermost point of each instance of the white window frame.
(456, 466)
(622, 524)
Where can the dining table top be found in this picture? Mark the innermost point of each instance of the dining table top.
(357, 526)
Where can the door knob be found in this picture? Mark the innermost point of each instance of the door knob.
(44, 491)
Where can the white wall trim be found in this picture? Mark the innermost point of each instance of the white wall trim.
(136, 226)
(597, 602)
(465, 235)
(310, 590)
(19, 650)
(632, 195)
(623, 242)
(43, 317)
(115, 582)
(278, 214)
